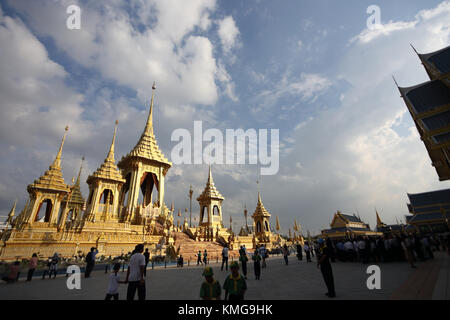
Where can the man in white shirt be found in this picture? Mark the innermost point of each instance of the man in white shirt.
(225, 258)
(135, 274)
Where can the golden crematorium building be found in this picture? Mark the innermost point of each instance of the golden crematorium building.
(429, 106)
(125, 206)
(57, 219)
(430, 211)
(348, 226)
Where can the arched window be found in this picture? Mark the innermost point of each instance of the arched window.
(104, 197)
(203, 213)
(216, 211)
(125, 190)
(258, 226)
(43, 214)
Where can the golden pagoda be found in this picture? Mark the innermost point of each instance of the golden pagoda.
(113, 221)
(261, 225)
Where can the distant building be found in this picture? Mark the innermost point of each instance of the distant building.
(430, 211)
(393, 229)
(345, 225)
(429, 105)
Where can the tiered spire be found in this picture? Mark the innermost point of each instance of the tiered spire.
(108, 170)
(77, 196)
(210, 189)
(260, 210)
(11, 214)
(147, 146)
(52, 178)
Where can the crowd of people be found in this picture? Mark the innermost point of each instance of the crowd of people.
(394, 248)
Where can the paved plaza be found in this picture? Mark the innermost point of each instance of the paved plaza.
(298, 280)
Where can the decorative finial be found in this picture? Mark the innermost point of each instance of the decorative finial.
(57, 161)
(79, 172)
(110, 156)
(414, 48)
(149, 126)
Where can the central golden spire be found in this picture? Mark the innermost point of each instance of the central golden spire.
(149, 126)
(57, 162)
(110, 156)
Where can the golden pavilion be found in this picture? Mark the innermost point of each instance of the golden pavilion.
(113, 218)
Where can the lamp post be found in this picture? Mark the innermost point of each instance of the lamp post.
(190, 206)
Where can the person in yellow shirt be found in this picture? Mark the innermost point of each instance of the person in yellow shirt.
(235, 284)
(210, 289)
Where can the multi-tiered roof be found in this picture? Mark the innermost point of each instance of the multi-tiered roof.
(52, 179)
(260, 210)
(210, 191)
(429, 106)
(108, 170)
(147, 147)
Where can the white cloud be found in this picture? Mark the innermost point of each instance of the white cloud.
(228, 33)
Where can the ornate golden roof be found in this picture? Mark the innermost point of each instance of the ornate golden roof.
(77, 196)
(147, 146)
(210, 191)
(260, 210)
(53, 179)
(108, 170)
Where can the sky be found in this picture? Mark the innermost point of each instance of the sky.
(311, 69)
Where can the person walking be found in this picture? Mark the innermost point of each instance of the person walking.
(257, 264)
(210, 289)
(407, 249)
(199, 257)
(54, 266)
(263, 253)
(286, 254)
(235, 284)
(225, 258)
(147, 259)
(32, 266)
(243, 259)
(323, 262)
(90, 262)
(299, 251)
(307, 252)
(205, 257)
(113, 286)
(135, 274)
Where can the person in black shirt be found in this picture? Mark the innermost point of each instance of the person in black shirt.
(147, 259)
(323, 262)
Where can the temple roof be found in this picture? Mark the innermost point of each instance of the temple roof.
(53, 179)
(147, 147)
(351, 218)
(427, 96)
(210, 191)
(440, 59)
(260, 210)
(428, 217)
(77, 196)
(108, 170)
(344, 229)
(430, 198)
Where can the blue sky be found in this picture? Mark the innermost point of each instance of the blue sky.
(308, 68)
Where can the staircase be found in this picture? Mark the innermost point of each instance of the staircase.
(189, 248)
